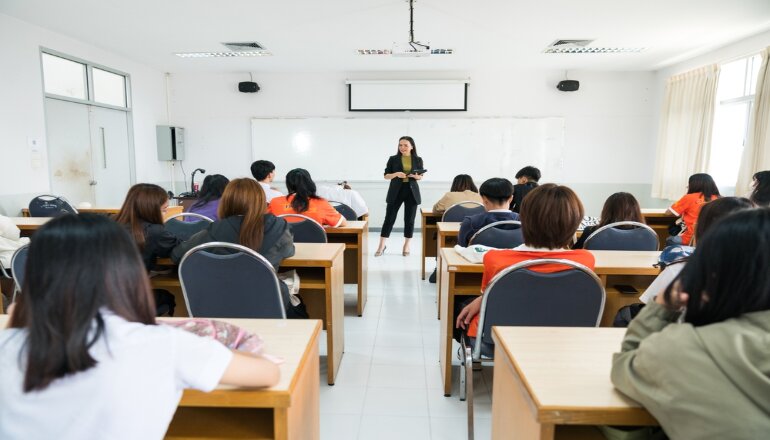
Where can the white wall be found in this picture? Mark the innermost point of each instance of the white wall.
(22, 112)
(609, 139)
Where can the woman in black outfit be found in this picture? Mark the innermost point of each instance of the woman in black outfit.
(403, 170)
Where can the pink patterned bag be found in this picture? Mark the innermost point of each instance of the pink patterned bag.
(231, 336)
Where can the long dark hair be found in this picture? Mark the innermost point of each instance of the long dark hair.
(212, 189)
(727, 275)
(761, 193)
(712, 212)
(301, 185)
(411, 141)
(463, 182)
(703, 183)
(142, 205)
(245, 197)
(621, 207)
(77, 265)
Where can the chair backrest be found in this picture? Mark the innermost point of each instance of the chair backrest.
(503, 234)
(184, 230)
(613, 237)
(458, 211)
(345, 210)
(305, 229)
(50, 206)
(519, 296)
(19, 265)
(225, 280)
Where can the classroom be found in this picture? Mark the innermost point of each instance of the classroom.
(245, 111)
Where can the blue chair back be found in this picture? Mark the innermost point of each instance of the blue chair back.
(18, 267)
(623, 236)
(225, 280)
(186, 229)
(458, 211)
(50, 206)
(345, 210)
(504, 234)
(306, 230)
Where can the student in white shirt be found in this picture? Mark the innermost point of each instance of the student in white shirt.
(264, 172)
(343, 193)
(82, 357)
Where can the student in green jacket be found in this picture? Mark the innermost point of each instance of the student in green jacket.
(708, 377)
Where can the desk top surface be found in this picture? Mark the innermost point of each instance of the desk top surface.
(430, 213)
(566, 369)
(607, 262)
(311, 254)
(656, 212)
(290, 339)
(356, 227)
(448, 227)
(29, 223)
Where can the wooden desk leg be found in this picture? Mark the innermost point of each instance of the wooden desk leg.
(302, 420)
(363, 240)
(335, 316)
(445, 343)
(439, 245)
(424, 250)
(512, 415)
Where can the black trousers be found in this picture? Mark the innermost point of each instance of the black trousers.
(406, 198)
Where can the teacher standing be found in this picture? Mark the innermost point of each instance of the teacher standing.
(403, 170)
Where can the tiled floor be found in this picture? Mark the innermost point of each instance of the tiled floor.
(389, 382)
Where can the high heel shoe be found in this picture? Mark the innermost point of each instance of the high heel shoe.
(379, 253)
(405, 253)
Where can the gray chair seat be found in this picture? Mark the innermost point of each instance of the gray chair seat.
(305, 229)
(504, 234)
(50, 206)
(458, 211)
(623, 236)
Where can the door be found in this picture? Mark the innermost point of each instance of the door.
(88, 150)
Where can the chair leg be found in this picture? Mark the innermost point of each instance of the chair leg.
(463, 372)
(468, 367)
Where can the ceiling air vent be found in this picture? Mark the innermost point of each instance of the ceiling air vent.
(245, 49)
(245, 46)
(582, 46)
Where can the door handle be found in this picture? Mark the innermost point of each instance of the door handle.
(92, 183)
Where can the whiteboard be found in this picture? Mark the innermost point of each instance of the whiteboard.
(357, 149)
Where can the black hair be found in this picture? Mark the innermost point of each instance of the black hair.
(703, 183)
(727, 275)
(497, 189)
(261, 169)
(713, 212)
(411, 141)
(301, 185)
(463, 182)
(761, 193)
(77, 266)
(530, 173)
(212, 189)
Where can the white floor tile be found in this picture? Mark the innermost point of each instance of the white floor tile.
(397, 376)
(396, 402)
(340, 426)
(456, 428)
(352, 374)
(384, 355)
(394, 428)
(340, 399)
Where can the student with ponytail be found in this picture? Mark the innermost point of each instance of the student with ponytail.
(303, 200)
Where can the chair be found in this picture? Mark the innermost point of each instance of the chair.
(225, 280)
(185, 230)
(519, 296)
(503, 234)
(50, 206)
(305, 229)
(345, 210)
(458, 211)
(18, 266)
(612, 238)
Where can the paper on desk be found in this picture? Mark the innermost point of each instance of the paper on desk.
(474, 253)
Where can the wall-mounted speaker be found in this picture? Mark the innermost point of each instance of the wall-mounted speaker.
(248, 87)
(568, 85)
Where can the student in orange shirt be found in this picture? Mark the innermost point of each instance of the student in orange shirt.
(550, 215)
(701, 189)
(302, 199)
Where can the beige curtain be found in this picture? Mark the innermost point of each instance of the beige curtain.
(684, 140)
(756, 154)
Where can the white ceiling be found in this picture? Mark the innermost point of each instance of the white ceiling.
(322, 35)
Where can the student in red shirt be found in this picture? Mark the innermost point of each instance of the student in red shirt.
(302, 199)
(550, 215)
(701, 189)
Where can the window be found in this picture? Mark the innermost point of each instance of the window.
(71, 78)
(735, 99)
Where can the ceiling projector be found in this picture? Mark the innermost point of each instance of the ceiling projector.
(415, 49)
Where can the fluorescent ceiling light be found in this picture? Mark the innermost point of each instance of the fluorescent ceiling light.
(250, 53)
(574, 49)
(390, 52)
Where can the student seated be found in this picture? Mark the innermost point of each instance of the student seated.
(208, 197)
(549, 217)
(302, 199)
(343, 193)
(701, 189)
(760, 193)
(619, 207)
(82, 356)
(264, 172)
(526, 181)
(707, 377)
(245, 221)
(462, 190)
(496, 196)
(710, 215)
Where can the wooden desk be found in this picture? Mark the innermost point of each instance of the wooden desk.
(658, 220)
(554, 382)
(96, 210)
(355, 236)
(460, 277)
(28, 225)
(429, 230)
(321, 273)
(447, 238)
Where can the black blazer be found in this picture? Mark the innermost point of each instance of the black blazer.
(519, 191)
(394, 166)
